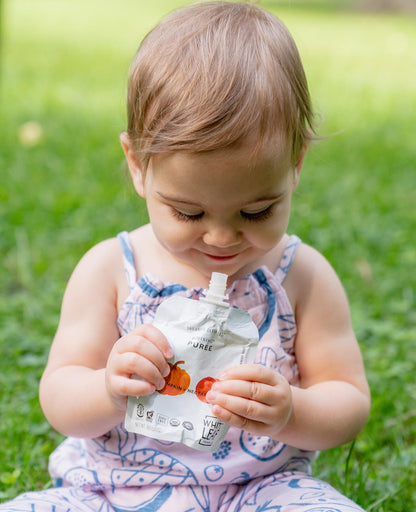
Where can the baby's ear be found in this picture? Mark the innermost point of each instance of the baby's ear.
(133, 163)
(299, 164)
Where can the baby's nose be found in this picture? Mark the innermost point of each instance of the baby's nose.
(222, 236)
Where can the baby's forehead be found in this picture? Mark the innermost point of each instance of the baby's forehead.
(273, 158)
(253, 150)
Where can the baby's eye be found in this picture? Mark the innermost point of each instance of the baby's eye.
(258, 216)
(186, 216)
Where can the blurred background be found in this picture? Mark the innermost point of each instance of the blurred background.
(64, 187)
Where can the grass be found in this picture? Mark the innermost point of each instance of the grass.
(64, 66)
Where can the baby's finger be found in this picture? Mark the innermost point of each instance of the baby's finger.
(251, 372)
(251, 390)
(131, 387)
(132, 364)
(155, 336)
(240, 422)
(238, 406)
(140, 346)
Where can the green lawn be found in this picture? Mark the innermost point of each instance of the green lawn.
(64, 67)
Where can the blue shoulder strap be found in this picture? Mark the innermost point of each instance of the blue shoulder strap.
(287, 258)
(128, 259)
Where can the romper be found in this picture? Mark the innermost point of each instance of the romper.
(125, 472)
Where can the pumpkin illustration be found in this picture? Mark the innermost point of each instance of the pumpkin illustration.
(177, 382)
(203, 386)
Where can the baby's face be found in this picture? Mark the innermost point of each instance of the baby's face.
(220, 211)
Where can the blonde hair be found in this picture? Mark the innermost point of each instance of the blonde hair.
(212, 74)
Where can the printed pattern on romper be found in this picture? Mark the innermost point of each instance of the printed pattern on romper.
(285, 492)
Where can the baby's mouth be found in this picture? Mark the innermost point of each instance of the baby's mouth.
(222, 257)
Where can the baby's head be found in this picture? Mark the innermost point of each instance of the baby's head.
(213, 75)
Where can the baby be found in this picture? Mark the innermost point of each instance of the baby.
(219, 121)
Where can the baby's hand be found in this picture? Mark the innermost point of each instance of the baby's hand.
(253, 398)
(142, 353)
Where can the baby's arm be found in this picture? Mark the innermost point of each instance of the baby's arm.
(332, 404)
(86, 382)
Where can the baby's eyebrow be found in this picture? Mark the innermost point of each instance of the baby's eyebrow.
(175, 199)
(268, 198)
(260, 199)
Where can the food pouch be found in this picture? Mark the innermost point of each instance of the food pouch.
(207, 336)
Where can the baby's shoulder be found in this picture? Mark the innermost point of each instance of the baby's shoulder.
(310, 265)
(100, 267)
(308, 259)
(103, 255)
(310, 272)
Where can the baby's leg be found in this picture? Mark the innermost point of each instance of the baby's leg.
(152, 498)
(61, 499)
(167, 498)
(290, 492)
